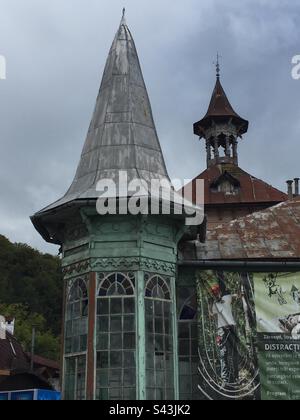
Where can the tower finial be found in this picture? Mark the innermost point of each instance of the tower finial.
(123, 21)
(218, 67)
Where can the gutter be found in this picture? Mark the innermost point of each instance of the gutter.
(243, 265)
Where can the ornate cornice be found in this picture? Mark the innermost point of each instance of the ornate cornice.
(133, 264)
(120, 264)
(80, 268)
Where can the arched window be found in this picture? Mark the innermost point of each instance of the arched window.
(117, 284)
(159, 338)
(188, 343)
(116, 337)
(76, 330)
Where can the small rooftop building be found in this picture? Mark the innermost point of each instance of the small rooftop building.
(230, 192)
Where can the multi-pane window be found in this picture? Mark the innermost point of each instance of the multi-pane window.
(188, 345)
(116, 337)
(76, 317)
(76, 330)
(75, 378)
(159, 338)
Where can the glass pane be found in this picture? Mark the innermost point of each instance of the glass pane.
(160, 378)
(170, 396)
(76, 310)
(169, 378)
(129, 306)
(116, 306)
(151, 394)
(129, 359)
(102, 360)
(159, 343)
(150, 378)
(115, 378)
(158, 307)
(159, 362)
(159, 326)
(75, 345)
(168, 343)
(129, 394)
(115, 394)
(184, 329)
(103, 324)
(150, 360)
(102, 342)
(68, 345)
(184, 347)
(103, 306)
(149, 307)
(103, 394)
(116, 341)
(159, 394)
(69, 329)
(129, 377)
(194, 349)
(150, 343)
(129, 323)
(102, 378)
(83, 343)
(116, 324)
(116, 359)
(129, 341)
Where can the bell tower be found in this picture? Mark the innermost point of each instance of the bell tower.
(221, 128)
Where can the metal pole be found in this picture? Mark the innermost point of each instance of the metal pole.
(32, 349)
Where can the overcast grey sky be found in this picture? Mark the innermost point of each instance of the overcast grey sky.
(56, 52)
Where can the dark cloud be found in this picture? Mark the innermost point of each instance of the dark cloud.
(56, 53)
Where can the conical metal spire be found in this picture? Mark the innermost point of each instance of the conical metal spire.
(220, 109)
(122, 134)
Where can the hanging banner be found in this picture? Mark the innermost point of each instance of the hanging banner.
(277, 303)
(227, 337)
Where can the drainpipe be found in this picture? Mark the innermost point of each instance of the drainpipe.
(297, 186)
(290, 189)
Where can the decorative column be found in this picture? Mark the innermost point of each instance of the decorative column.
(227, 147)
(235, 152)
(216, 147)
(208, 151)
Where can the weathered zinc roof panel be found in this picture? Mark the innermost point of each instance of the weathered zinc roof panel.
(122, 133)
(270, 234)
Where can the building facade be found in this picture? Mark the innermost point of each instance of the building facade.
(133, 295)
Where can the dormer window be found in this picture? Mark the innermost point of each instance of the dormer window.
(226, 184)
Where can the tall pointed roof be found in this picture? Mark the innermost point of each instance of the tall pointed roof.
(220, 109)
(122, 134)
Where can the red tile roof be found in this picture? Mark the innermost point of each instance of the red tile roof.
(252, 190)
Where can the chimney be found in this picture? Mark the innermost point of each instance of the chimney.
(297, 186)
(290, 189)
